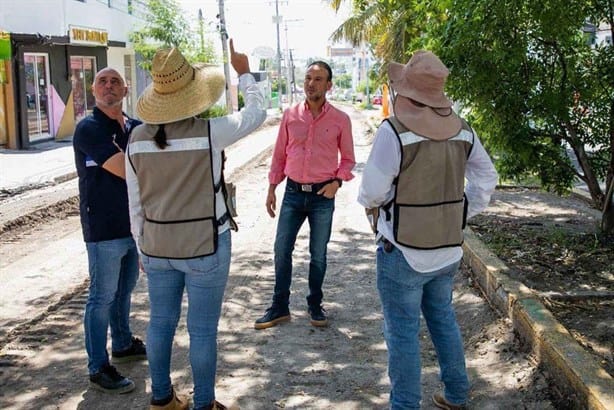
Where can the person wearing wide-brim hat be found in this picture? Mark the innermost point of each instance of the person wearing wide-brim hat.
(180, 212)
(415, 181)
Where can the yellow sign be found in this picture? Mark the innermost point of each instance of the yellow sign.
(88, 36)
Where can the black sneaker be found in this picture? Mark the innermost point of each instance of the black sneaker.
(318, 316)
(272, 317)
(109, 380)
(136, 351)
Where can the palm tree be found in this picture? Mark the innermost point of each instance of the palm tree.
(391, 29)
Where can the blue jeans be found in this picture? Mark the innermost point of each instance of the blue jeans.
(404, 293)
(114, 270)
(295, 208)
(204, 280)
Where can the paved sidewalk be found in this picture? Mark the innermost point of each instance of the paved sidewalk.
(44, 164)
(53, 162)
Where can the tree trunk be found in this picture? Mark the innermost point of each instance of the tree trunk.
(592, 183)
(607, 216)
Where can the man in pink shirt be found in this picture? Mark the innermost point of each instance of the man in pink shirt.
(315, 151)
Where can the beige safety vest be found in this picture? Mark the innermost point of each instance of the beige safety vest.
(176, 189)
(430, 207)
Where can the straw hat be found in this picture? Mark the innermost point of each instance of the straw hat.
(179, 90)
(423, 79)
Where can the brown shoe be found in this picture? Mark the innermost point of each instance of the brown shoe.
(216, 405)
(441, 402)
(176, 403)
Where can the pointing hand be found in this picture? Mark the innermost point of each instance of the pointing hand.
(238, 61)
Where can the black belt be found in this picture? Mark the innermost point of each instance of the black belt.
(388, 246)
(223, 219)
(313, 188)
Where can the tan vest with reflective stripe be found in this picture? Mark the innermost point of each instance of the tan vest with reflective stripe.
(176, 189)
(429, 203)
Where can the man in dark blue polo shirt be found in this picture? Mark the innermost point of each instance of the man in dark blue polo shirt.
(99, 143)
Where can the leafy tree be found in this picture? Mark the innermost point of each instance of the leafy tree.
(539, 93)
(343, 81)
(167, 26)
(275, 85)
(391, 29)
(538, 90)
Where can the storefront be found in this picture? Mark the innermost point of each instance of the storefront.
(51, 79)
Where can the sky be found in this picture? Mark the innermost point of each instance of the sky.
(305, 27)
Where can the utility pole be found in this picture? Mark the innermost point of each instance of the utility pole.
(201, 29)
(279, 76)
(288, 83)
(365, 55)
(224, 36)
(289, 63)
(292, 76)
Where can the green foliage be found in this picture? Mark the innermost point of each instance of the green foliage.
(552, 94)
(275, 85)
(373, 86)
(343, 81)
(213, 112)
(167, 26)
(532, 85)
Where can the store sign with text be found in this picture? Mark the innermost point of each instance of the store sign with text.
(88, 36)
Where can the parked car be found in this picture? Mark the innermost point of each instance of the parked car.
(376, 100)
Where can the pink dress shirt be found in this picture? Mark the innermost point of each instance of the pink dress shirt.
(312, 150)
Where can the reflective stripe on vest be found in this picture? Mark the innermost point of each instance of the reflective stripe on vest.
(429, 204)
(176, 189)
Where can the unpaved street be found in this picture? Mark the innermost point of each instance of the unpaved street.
(292, 366)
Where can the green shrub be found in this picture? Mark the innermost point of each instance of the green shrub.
(213, 112)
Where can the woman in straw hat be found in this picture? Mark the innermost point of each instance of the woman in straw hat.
(415, 176)
(178, 210)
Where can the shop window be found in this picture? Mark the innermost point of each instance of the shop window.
(82, 71)
(36, 71)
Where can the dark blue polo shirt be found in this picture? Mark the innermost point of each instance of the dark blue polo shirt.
(103, 196)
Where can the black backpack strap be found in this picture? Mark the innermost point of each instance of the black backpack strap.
(222, 185)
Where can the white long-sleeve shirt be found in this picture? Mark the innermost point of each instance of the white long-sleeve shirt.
(377, 188)
(224, 131)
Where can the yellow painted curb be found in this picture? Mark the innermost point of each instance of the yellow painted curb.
(573, 369)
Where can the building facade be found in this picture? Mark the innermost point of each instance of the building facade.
(50, 51)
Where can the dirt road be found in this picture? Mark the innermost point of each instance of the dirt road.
(293, 366)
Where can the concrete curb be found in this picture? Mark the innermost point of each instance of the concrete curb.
(65, 177)
(570, 366)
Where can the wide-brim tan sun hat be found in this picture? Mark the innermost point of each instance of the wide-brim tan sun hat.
(179, 90)
(423, 79)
